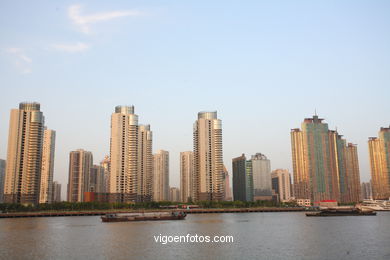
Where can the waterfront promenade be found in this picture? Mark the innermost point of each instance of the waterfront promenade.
(103, 212)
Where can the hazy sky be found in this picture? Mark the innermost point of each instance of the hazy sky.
(263, 65)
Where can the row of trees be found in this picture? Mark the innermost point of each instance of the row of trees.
(77, 206)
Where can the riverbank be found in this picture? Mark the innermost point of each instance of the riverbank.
(103, 212)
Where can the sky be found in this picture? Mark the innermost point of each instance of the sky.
(263, 65)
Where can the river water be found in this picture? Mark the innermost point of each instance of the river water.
(286, 235)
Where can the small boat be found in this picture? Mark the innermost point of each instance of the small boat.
(341, 211)
(174, 215)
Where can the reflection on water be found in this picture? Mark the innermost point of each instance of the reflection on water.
(256, 236)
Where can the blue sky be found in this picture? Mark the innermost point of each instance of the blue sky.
(263, 65)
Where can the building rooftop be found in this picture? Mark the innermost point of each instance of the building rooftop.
(207, 115)
(124, 109)
(31, 106)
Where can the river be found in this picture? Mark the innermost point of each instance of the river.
(285, 235)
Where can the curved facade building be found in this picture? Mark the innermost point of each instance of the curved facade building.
(24, 155)
(208, 163)
(130, 157)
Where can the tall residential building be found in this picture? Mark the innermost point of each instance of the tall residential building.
(325, 167)
(242, 179)
(379, 150)
(174, 194)
(366, 191)
(281, 184)
(96, 179)
(130, 157)
(208, 161)
(160, 185)
(2, 176)
(24, 155)
(261, 171)
(145, 163)
(186, 176)
(105, 163)
(228, 190)
(346, 167)
(56, 194)
(80, 163)
(353, 173)
(301, 173)
(46, 191)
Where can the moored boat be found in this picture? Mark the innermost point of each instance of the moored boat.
(377, 205)
(174, 215)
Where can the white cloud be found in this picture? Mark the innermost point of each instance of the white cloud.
(21, 61)
(77, 47)
(84, 21)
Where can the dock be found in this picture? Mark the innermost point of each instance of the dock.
(104, 212)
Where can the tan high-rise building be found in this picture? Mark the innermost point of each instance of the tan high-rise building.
(46, 191)
(105, 163)
(353, 173)
(301, 173)
(96, 179)
(208, 161)
(130, 157)
(366, 191)
(174, 194)
(379, 150)
(24, 155)
(124, 154)
(325, 168)
(80, 163)
(261, 172)
(281, 184)
(186, 176)
(228, 190)
(160, 185)
(56, 194)
(145, 163)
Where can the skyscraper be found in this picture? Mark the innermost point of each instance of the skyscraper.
(301, 173)
(208, 163)
(353, 172)
(105, 163)
(56, 194)
(24, 155)
(186, 176)
(242, 179)
(145, 163)
(160, 185)
(281, 184)
(96, 179)
(325, 168)
(261, 172)
(49, 138)
(379, 150)
(130, 157)
(2, 176)
(227, 189)
(366, 191)
(80, 163)
(174, 194)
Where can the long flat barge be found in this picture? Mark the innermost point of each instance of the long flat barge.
(105, 212)
(341, 211)
(149, 216)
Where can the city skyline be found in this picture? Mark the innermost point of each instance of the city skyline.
(263, 68)
(147, 128)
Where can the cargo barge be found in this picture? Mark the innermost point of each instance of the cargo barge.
(174, 215)
(341, 211)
